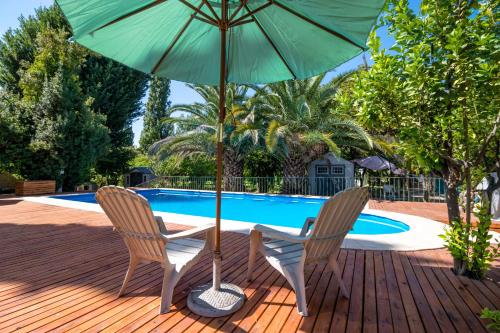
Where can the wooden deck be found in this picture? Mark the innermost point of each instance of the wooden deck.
(61, 268)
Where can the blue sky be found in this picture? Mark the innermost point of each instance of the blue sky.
(11, 10)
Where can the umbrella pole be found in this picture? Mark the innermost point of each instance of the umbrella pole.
(220, 155)
(218, 299)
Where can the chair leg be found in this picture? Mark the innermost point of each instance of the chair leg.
(296, 279)
(254, 245)
(167, 289)
(336, 271)
(131, 269)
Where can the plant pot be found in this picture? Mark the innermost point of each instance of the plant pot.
(459, 266)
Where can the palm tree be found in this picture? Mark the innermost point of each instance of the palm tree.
(303, 124)
(197, 130)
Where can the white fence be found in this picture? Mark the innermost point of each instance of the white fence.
(410, 188)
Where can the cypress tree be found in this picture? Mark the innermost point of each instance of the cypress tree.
(157, 110)
(116, 92)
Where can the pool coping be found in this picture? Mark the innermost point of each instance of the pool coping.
(423, 233)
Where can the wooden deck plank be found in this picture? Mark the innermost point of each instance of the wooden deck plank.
(429, 321)
(64, 290)
(384, 319)
(482, 295)
(432, 299)
(411, 311)
(327, 309)
(62, 268)
(71, 275)
(355, 319)
(399, 321)
(339, 321)
(44, 315)
(468, 316)
(315, 289)
(369, 296)
(440, 292)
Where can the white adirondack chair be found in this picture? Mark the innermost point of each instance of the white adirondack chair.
(290, 253)
(146, 238)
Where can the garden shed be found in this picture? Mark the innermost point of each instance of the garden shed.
(138, 175)
(330, 174)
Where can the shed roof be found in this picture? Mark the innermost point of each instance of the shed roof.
(142, 169)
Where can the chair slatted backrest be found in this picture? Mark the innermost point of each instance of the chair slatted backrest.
(334, 221)
(132, 217)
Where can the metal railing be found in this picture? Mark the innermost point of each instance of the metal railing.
(409, 188)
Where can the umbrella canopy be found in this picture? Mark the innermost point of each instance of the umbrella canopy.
(220, 41)
(377, 163)
(266, 40)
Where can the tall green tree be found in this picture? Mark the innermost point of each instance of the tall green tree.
(115, 91)
(14, 137)
(198, 129)
(436, 90)
(18, 47)
(109, 91)
(63, 136)
(303, 124)
(157, 110)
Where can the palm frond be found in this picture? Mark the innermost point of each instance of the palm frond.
(274, 131)
(353, 127)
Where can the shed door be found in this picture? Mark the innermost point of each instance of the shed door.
(330, 179)
(135, 178)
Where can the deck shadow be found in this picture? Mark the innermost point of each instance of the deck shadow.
(9, 201)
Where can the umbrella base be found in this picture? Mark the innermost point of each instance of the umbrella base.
(207, 302)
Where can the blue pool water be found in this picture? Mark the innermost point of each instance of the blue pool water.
(278, 210)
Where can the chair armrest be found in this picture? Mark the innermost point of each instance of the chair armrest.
(161, 224)
(307, 224)
(276, 234)
(190, 232)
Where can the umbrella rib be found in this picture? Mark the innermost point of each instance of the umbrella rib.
(177, 37)
(250, 13)
(275, 48)
(132, 13)
(322, 27)
(203, 20)
(211, 8)
(250, 20)
(197, 10)
(240, 7)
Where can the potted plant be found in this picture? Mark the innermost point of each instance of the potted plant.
(470, 247)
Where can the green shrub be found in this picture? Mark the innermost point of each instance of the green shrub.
(482, 252)
(455, 239)
(261, 163)
(196, 166)
(494, 316)
(141, 160)
(471, 248)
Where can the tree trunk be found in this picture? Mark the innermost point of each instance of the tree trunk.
(452, 203)
(468, 181)
(294, 171)
(451, 179)
(233, 171)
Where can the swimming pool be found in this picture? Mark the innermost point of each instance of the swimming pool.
(277, 210)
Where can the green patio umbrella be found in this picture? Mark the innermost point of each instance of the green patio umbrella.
(220, 41)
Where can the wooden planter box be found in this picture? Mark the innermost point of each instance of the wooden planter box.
(34, 187)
